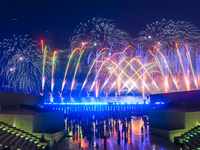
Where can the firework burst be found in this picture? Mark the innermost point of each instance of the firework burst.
(21, 64)
(166, 33)
(104, 60)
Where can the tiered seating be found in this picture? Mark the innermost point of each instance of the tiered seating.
(190, 139)
(23, 140)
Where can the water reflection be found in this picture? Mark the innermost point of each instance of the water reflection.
(111, 133)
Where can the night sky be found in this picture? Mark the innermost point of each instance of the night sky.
(60, 17)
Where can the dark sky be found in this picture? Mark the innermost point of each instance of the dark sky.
(34, 17)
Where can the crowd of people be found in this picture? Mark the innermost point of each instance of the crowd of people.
(95, 129)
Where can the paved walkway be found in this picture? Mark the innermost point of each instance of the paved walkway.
(135, 140)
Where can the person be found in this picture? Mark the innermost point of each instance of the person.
(142, 130)
(97, 146)
(145, 129)
(105, 138)
(126, 140)
(79, 145)
(118, 137)
(42, 139)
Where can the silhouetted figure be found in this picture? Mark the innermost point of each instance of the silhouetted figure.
(142, 130)
(90, 139)
(79, 145)
(105, 138)
(145, 126)
(97, 146)
(118, 137)
(124, 127)
(125, 143)
(42, 139)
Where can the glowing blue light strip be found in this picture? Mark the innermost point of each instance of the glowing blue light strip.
(99, 103)
(159, 103)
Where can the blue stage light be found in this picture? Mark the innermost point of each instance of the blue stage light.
(101, 103)
(157, 103)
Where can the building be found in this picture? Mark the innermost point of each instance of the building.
(25, 114)
(174, 114)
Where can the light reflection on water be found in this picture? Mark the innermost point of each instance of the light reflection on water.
(120, 133)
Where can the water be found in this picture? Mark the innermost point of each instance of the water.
(111, 133)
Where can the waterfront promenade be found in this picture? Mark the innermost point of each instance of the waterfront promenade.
(121, 134)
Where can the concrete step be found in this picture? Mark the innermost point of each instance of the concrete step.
(196, 139)
(196, 144)
(191, 146)
(186, 147)
(8, 139)
(20, 138)
(31, 146)
(19, 143)
(14, 140)
(2, 133)
(4, 136)
(25, 145)
(197, 136)
(194, 132)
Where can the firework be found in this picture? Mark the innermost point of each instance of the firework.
(99, 32)
(104, 60)
(21, 64)
(143, 72)
(166, 33)
(52, 72)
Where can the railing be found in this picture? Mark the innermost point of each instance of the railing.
(190, 139)
(22, 139)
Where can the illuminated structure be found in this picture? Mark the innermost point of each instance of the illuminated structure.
(22, 114)
(133, 108)
(175, 114)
